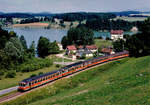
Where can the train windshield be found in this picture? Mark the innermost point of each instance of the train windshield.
(22, 84)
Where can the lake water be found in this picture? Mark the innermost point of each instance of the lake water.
(33, 34)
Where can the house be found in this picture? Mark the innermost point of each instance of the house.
(134, 29)
(71, 48)
(87, 53)
(92, 48)
(116, 34)
(107, 51)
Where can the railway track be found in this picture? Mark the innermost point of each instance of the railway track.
(11, 96)
(17, 94)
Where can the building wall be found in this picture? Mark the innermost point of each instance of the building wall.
(89, 55)
(116, 36)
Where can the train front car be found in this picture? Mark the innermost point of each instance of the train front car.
(23, 86)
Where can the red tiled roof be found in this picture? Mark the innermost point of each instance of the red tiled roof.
(80, 46)
(106, 50)
(119, 32)
(91, 47)
(71, 47)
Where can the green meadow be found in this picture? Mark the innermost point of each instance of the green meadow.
(122, 82)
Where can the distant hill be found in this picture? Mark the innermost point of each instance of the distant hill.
(67, 15)
(23, 15)
(15, 15)
(42, 14)
(126, 13)
(1, 13)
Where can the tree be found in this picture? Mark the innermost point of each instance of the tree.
(119, 45)
(43, 47)
(78, 36)
(23, 42)
(4, 37)
(53, 48)
(107, 38)
(64, 42)
(14, 49)
(135, 46)
(31, 50)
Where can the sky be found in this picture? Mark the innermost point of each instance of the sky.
(59, 6)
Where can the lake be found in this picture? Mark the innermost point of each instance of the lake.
(33, 34)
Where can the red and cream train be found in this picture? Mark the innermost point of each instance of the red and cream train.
(36, 81)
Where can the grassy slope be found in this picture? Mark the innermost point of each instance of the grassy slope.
(120, 82)
(102, 43)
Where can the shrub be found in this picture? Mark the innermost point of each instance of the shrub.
(57, 65)
(10, 74)
(33, 75)
(40, 73)
(83, 56)
(107, 38)
(34, 64)
(1, 73)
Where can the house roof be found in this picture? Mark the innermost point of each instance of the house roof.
(119, 32)
(71, 47)
(106, 50)
(80, 47)
(91, 47)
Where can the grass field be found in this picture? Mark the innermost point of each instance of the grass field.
(9, 82)
(131, 19)
(124, 82)
(57, 59)
(102, 43)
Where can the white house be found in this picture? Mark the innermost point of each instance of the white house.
(116, 34)
(134, 29)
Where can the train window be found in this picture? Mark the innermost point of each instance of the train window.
(23, 85)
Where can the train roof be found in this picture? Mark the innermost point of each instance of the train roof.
(40, 76)
(49, 73)
(74, 64)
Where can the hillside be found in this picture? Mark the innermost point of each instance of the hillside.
(120, 82)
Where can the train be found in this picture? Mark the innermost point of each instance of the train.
(37, 81)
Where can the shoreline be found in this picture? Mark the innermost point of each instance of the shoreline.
(35, 25)
(30, 25)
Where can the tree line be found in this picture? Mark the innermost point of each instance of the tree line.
(80, 16)
(138, 44)
(109, 24)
